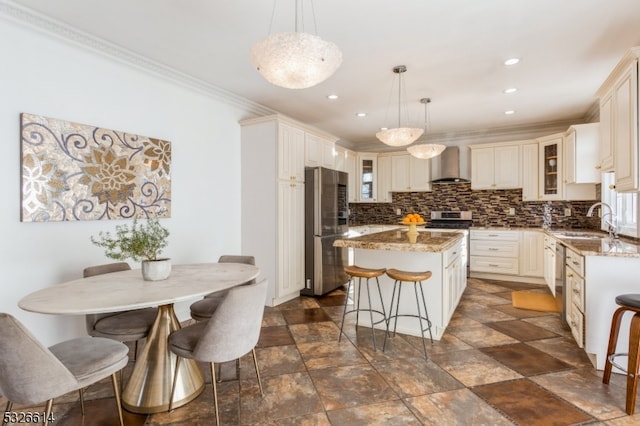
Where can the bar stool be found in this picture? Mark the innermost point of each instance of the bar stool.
(628, 303)
(357, 272)
(416, 279)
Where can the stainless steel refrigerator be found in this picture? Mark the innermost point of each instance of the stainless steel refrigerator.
(326, 220)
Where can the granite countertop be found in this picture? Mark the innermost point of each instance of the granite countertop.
(600, 247)
(427, 241)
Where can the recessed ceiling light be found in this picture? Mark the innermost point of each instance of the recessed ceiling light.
(332, 97)
(510, 90)
(361, 114)
(512, 61)
(509, 112)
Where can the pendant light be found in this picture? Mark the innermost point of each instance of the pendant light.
(426, 150)
(399, 136)
(295, 60)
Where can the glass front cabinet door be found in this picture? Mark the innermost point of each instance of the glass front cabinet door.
(551, 163)
(367, 177)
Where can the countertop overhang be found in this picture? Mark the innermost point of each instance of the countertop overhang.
(397, 240)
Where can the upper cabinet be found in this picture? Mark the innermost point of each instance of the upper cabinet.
(581, 162)
(367, 169)
(290, 153)
(319, 151)
(550, 180)
(384, 179)
(529, 169)
(605, 150)
(495, 166)
(409, 173)
(619, 119)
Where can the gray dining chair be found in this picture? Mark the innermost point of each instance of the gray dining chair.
(203, 309)
(232, 331)
(126, 326)
(31, 373)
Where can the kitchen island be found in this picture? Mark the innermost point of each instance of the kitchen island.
(442, 253)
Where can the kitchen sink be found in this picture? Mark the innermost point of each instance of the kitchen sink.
(580, 235)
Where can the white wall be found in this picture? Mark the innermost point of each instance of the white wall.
(46, 75)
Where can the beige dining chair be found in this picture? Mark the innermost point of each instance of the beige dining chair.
(203, 309)
(126, 326)
(31, 373)
(232, 331)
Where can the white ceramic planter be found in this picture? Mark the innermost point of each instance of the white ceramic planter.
(156, 270)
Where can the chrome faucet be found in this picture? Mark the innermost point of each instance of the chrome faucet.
(612, 223)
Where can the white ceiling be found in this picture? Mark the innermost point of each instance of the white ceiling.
(453, 49)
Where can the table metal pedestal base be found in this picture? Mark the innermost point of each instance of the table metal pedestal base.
(149, 387)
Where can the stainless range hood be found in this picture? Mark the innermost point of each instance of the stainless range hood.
(446, 166)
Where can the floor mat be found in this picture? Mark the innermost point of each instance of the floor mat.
(535, 301)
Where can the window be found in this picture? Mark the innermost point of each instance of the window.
(625, 206)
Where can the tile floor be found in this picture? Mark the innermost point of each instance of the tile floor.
(495, 365)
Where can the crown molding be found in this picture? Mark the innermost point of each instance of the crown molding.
(469, 137)
(48, 26)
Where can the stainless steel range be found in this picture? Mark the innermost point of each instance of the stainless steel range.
(452, 221)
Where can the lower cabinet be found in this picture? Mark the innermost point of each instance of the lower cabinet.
(550, 263)
(531, 254)
(494, 251)
(290, 246)
(454, 281)
(575, 297)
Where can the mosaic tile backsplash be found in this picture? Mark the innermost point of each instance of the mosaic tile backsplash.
(490, 208)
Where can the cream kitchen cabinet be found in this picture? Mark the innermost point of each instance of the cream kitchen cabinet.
(605, 151)
(409, 173)
(494, 251)
(272, 173)
(340, 163)
(549, 260)
(495, 166)
(290, 152)
(367, 177)
(454, 275)
(550, 178)
(529, 167)
(619, 115)
(319, 151)
(532, 254)
(575, 294)
(581, 163)
(384, 179)
(351, 167)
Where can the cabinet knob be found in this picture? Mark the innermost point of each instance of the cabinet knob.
(570, 275)
(612, 186)
(598, 167)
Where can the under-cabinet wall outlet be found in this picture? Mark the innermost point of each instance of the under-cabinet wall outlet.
(567, 211)
(511, 211)
(398, 211)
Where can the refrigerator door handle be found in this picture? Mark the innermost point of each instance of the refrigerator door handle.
(317, 194)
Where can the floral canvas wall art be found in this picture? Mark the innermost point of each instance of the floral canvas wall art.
(73, 171)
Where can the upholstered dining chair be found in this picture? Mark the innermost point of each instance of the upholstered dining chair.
(31, 373)
(203, 309)
(126, 326)
(232, 331)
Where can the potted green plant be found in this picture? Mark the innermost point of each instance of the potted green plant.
(142, 241)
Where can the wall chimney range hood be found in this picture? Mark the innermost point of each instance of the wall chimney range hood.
(449, 170)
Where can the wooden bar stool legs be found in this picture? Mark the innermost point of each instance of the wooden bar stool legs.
(360, 273)
(628, 303)
(415, 278)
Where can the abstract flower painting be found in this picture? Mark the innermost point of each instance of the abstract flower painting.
(73, 171)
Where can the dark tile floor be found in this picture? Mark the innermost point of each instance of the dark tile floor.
(495, 365)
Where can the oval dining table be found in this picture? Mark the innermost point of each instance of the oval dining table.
(149, 387)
